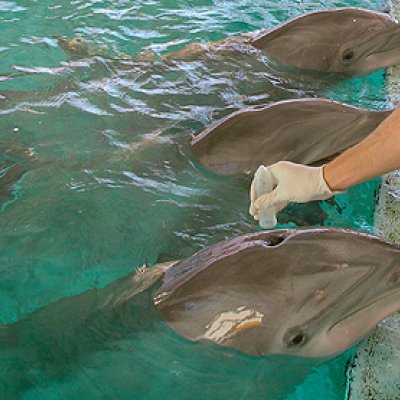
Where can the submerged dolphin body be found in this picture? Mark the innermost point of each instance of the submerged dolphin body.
(15, 160)
(10, 175)
(304, 131)
(348, 41)
(303, 293)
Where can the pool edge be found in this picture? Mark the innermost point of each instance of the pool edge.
(370, 376)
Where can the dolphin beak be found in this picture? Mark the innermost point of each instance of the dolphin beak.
(382, 49)
(356, 324)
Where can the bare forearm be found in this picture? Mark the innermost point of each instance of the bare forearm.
(377, 154)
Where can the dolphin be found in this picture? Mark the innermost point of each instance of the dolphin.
(304, 293)
(349, 41)
(306, 131)
(310, 292)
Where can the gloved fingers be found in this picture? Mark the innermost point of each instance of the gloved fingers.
(255, 214)
(253, 210)
(253, 195)
(268, 200)
(278, 207)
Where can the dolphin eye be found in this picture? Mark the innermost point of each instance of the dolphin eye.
(296, 338)
(347, 56)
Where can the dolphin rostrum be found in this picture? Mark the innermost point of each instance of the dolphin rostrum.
(305, 131)
(308, 293)
(349, 41)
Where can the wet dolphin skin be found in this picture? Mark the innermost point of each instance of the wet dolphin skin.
(311, 292)
(304, 131)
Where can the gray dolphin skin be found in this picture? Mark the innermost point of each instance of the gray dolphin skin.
(308, 293)
(348, 40)
(312, 292)
(305, 131)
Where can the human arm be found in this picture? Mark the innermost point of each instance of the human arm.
(375, 155)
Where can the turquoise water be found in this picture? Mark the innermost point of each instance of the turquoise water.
(110, 183)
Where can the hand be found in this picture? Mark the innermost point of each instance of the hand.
(291, 182)
(262, 184)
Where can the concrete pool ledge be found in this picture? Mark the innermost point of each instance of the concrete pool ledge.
(375, 373)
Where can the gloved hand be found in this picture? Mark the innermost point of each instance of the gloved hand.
(292, 183)
(263, 183)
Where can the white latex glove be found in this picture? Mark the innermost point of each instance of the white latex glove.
(263, 183)
(291, 183)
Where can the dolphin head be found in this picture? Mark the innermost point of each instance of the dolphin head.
(304, 131)
(309, 292)
(349, 41)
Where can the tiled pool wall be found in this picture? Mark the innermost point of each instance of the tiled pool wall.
(375, 374)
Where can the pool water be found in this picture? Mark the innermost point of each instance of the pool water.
(107, 181)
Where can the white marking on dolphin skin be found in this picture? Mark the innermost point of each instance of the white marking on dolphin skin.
(229, 323)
